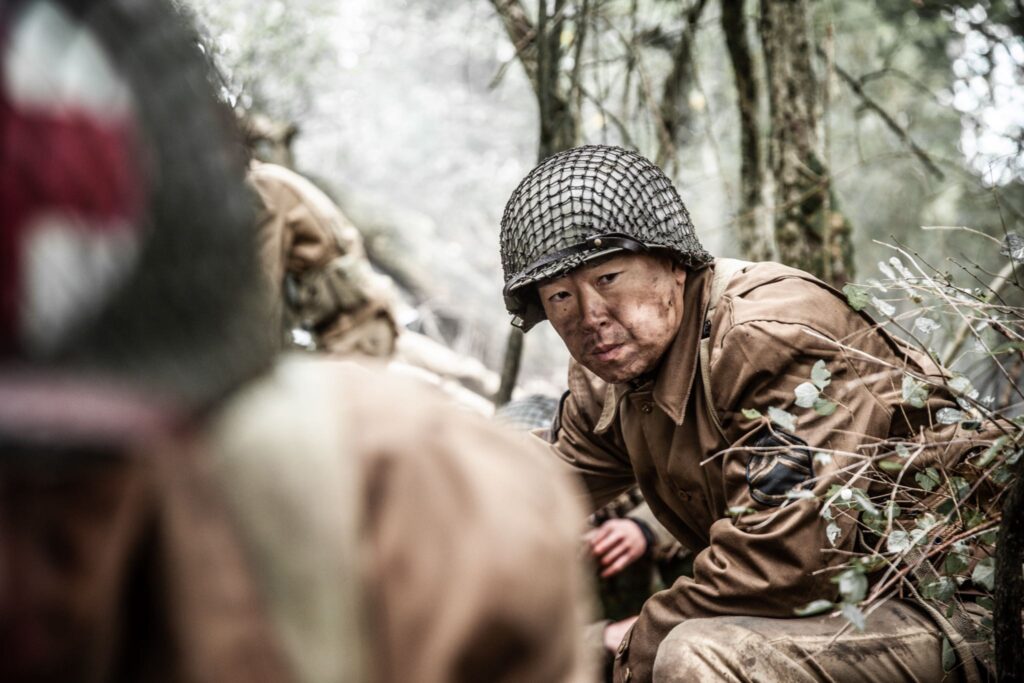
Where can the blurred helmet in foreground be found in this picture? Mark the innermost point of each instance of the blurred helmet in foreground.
(126, 241)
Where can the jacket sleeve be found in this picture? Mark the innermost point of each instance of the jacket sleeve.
(776, 556)
(599, 460)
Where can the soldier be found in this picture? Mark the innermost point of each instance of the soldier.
(696, 350)
(315, 260)
(177, 503)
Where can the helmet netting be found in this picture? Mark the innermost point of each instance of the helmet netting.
(586, 192)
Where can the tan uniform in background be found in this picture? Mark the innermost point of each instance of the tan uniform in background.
(771, 326)
(315, 259)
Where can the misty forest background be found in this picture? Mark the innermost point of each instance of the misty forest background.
(799, 130)
(876, 144)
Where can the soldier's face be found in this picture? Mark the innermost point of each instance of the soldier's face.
(617, 317)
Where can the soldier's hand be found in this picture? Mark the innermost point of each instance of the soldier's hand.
(615, 632)
(616, 544)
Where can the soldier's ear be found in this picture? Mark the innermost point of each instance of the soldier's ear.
(679, 272)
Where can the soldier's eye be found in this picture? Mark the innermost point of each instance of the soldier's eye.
(608, 278)
(558, 296)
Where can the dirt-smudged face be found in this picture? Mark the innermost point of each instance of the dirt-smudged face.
(619, 316)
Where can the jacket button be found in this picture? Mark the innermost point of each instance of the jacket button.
(646, 408)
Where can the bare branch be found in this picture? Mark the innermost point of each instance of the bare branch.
(522, 33)
(889, 121)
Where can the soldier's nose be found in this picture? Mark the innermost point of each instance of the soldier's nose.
(593, 312)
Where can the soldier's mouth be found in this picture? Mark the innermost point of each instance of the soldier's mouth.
(605, 352)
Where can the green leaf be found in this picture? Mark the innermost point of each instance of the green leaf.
(853, 585)
(898, 265)
(973, 517)
(925, 325)
(832, 531)
(955, 563)
(927, 521)
(781, 418)
(984, 574)
(961, 487)
(948, 655)
(928, 479)
(948, 416)
(992, 451)
(806, 394)
(856, 296)
(824, 407)
(821, 375)
(890, 466)
(962, 386)
(861, 500)
(813, 608)
(898, 541)
(941, 589)
(915, 393)
(986, 602)
(874, 522)
(883, 307)
(854, 616)
(751, 414)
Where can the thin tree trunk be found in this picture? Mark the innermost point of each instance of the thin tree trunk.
(674, 111)
(510, 366)
(755, 236)
(810, 231)
(559, 120)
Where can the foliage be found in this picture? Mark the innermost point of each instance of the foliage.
(932, 526)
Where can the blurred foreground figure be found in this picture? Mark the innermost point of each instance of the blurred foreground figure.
(740, 397)
(176, 504)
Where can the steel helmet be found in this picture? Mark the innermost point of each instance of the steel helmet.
(127, 244)
(582, 204)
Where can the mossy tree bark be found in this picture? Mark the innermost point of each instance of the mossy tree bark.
(810, 231)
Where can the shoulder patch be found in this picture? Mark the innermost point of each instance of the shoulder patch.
(779, 461)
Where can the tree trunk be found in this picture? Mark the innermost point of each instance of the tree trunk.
(559, 121)
(755, 235)
(1009, 587)
(810, 232)
(674, 110)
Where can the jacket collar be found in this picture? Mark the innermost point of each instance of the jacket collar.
(674, 376)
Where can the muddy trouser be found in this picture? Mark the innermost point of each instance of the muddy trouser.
(899, 643)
